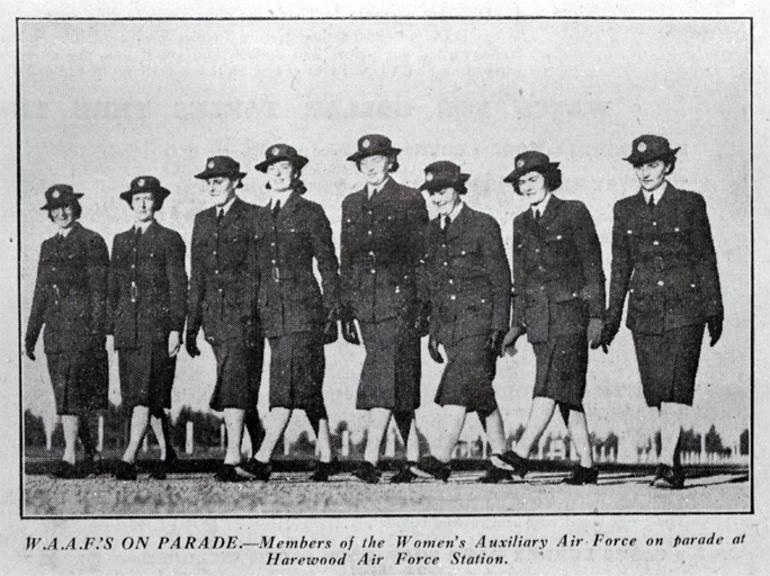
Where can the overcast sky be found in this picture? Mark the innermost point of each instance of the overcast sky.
(103, 102)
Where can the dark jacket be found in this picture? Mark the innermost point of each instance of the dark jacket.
(467, 277)
(148, 286)
(665, 260)
(558, 278)
(290, 299)
(70, 292)
(223, 281)
(380, 250)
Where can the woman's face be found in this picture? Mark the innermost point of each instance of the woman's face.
(143, 205)
(445, 200)
(221, 189)
(375, 169)
(652, 174)
(280, 175)
(62, 216)
(532, 187)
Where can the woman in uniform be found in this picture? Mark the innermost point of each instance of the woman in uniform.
(663, 257)
(558, 302)
(380, 249)
(298, 317)
(466, 278)
(148, 296)
(70, 299)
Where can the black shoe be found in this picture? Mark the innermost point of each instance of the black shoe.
(229, 473)
(519, 465)
(260, 470)
(495, 475)
(582, 475)
(404, 475)
(367, 472)
(125, 471)
(325, 469)
(434, 467)
(672, 476)
(160, 470)
(65, 470)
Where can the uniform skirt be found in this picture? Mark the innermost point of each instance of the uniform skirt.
(146, 376)
(80, 381)
(297, 366)
(668, 363)
(239, 372)
(467, 378)
(562, 362)
(390, 377)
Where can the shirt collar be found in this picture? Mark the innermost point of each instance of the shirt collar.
(455, 211)
(541, 207)
(64, 232)
(281, 197)
(143, 225)
(657, 193)
(372, 190)
(226, 205)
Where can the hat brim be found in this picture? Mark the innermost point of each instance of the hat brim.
(61, 201)
(206, 174)
(440, 183)
(298, 161)
(636, 159)
(159, 193)
(361, 154)
(519, 172)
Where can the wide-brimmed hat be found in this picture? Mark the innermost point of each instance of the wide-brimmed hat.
(146, 184)
(59, 195)
(372, 145)
(443, 174)
(279, 153)
(222, 166)
(529, 161)
(648, 148)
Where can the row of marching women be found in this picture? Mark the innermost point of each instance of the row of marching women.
(400, 277)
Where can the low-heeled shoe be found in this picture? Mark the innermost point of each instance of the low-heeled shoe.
(518, 464)
(582, 475)
(672, 477)
(367, 472)
(125, 471)
(323, 470)
(495, 475)
(434, 467)
(67, 471)
(404, 474)
(260, 470)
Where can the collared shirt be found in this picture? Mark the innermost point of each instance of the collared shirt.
(541, 207)
(281, 197)
(142, 225)
(226, 206)
(657, 194)
(64, 232)
(453, 214)
(372, 190)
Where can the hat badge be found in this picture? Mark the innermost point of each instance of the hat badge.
(141, 183)
(55, 193)
(641, 147)
(429, 176)
(210, 164)
(520, 164)
(274, 151)
(365, 143)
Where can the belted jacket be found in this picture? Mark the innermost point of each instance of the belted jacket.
(380, 249)
(147, 286)
(665, 260)
(466, 277)
(558, 279)
(70, 296)
(290, 298)
(223, 278)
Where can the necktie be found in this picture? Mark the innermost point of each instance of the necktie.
(373, 194)
(651, 203)
(276, 209)
(138, 233)
(447, 222)
(220, 215)
(537, 216)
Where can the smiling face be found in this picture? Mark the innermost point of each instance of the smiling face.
(532, 187)
(375, 169)
(652, 174)
(445, 200)
(221, 189)
(280, 175)
(63, 216)
(143, 205)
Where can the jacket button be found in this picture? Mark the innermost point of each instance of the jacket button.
(272, 243)
(446, 263)
(370, 212)
(537, 250)
(451, 281)
(443, 245)
(272, 261)
(371, 253)
(558, 237)
(133, 266)
(373, 271)
(631, 291)
(654, 223)
(215, 252)
(463, 252)
(660, 282)
(574, 294)
(220, 290)
(542, 288)
(541, 268)
(453, 297)
(369, 232)
(216, 271)
(655, 243)
(630, 231)
(676, 229)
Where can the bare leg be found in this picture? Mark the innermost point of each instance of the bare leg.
(413, 444)
(539, 416)
(157, 428)
(378, 423)
(452, 419)
(276, 422)
(70, 426)
(578, 430)
(671, 417)
(140, 417)
(234, 426)
(495, 431)
(324, 440)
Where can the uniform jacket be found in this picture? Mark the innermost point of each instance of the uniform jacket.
(665, 260)
(380, 250)
(223, 280)
(467, 277)
(70, 292)
(148, 286)
(557, 270)
(290, 299)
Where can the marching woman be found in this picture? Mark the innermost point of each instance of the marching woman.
(558, 302)
(148, 295)
(380, 249)
(298, 317)
(70, 299)
(466, 278)
(663, 257)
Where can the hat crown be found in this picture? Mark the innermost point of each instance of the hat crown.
(649, 147)
(372, 142)
(223, 163)
(530, 160)
(442, 169)
(142, 183)
(280, 151)
(58, 190)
